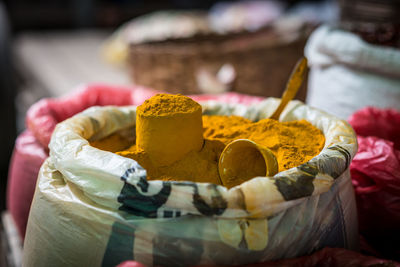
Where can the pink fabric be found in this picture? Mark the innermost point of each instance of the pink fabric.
(28, 156)
(31, 147)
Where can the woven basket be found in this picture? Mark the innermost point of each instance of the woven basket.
(262, 62)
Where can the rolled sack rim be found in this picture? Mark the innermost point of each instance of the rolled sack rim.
(329, 46)
(72, 155)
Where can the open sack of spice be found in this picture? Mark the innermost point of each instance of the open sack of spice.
(102, 208)
(31, 147)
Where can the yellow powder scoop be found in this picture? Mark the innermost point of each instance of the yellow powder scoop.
(244, 159)
(168, 127)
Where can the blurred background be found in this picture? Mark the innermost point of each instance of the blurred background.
(48, 48)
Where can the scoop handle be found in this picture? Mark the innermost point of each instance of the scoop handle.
(292, 87)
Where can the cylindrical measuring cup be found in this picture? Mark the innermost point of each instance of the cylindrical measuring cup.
(244, 159)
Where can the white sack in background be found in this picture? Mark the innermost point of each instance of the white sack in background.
(347, 73)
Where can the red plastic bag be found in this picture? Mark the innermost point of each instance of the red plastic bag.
(382, 123)
(328, 257)
(375, 174)
(28, 156)
(130, 264)
(31, 147)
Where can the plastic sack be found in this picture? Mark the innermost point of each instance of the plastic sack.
(349, 73)
(381, 123)
(375, 172)
(100, 210)
(31, 149)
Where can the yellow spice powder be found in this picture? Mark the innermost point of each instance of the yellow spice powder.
(293, 143)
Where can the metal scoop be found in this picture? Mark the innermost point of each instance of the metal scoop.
(244, 159)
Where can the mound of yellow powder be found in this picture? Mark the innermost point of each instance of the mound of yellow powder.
(196, 166)
(165, 104)
(293, 143)
(112, 143)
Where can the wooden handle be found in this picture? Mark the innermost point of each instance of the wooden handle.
(292, 86)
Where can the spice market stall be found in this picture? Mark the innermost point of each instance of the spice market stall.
(111, 205)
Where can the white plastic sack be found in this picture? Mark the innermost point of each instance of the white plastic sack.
(96, 208)
(348, 74)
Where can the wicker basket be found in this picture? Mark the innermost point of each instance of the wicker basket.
(262, 62)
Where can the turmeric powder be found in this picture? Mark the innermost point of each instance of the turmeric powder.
(165, 105)
(168, 127)
(293, 143)
(196, 166)
(112, 143)
(170, 143)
